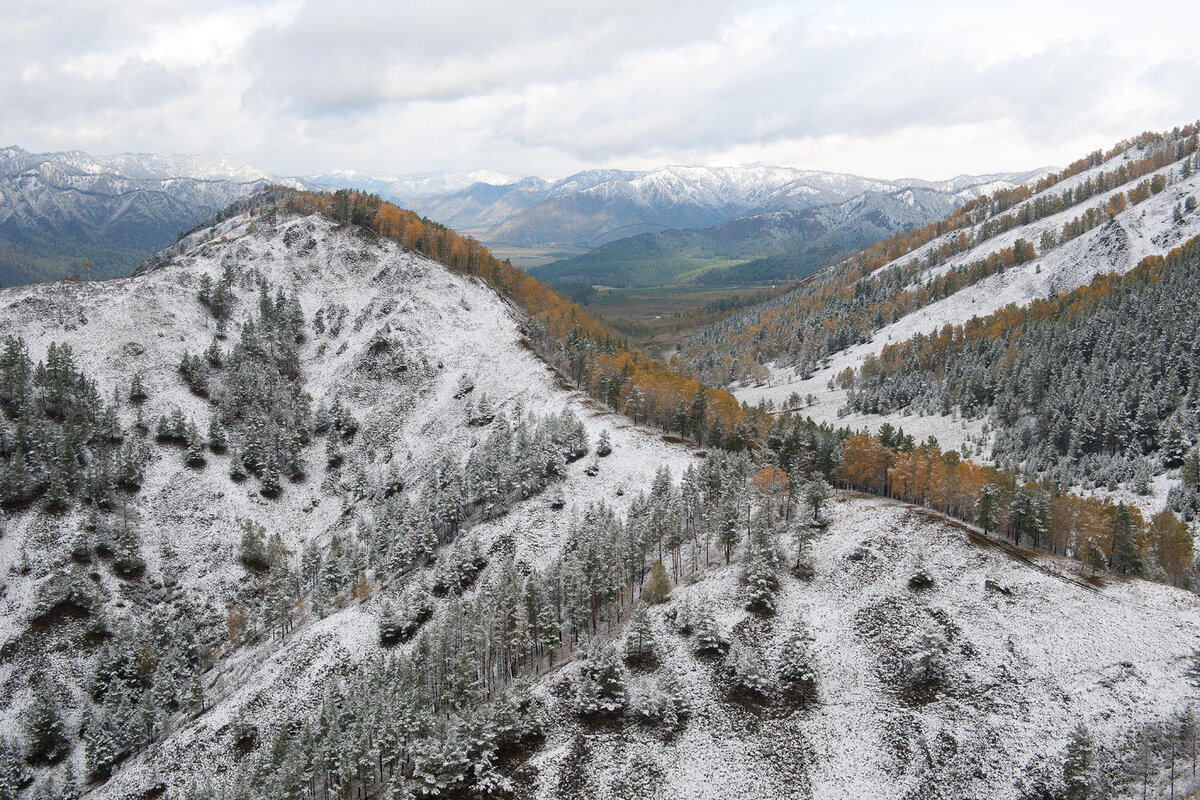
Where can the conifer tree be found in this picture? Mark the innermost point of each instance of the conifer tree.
(45, 730)
(987, 507)
(602, 683)
(604, 444)
(1078, 772)
(816, 496)
(796, 674)
(748, 675)
(639, 640)
(194, 456)
(709, 640)
(1125, 555)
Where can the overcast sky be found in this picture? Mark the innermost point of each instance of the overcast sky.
(538, 87)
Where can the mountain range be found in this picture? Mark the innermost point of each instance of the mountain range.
(71, 213)
(594, 207)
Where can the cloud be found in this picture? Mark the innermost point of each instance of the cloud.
(544, 87)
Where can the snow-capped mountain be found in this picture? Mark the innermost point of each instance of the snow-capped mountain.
(770, 246)
(592, 208)
(58, 210)
(596, 206)
(201, 630)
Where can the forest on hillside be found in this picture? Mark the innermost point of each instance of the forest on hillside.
(847, 303)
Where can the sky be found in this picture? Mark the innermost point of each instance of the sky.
(546, 87)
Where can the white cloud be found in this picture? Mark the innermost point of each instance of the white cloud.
(545, 87)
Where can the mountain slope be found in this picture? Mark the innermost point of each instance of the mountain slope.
(419, 624)
(972, 264)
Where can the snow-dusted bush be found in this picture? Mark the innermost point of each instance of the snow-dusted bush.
(794, 665)
(748, 676)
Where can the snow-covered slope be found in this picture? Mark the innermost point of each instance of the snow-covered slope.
(1035, 648)
(443, 327)
(1031, 651)
(1148, 228)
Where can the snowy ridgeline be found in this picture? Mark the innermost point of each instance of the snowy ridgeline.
(436, 523)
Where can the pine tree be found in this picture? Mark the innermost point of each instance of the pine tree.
(988, 507)
(816, 496)
(604, 444)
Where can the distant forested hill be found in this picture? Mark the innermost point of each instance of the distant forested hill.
(773, 246)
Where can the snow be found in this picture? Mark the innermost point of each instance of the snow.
(448, 326)
(1140, 231)
(1024, 667)
(1054, 651)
